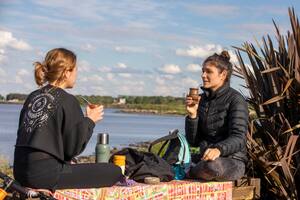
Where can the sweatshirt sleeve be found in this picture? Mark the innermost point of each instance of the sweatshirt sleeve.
(77, 129)
(237, 127)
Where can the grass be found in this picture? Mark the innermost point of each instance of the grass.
(178, 109)
(5, 168)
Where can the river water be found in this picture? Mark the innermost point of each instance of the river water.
(123, 128)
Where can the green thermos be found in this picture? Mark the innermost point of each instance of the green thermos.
(102, 148)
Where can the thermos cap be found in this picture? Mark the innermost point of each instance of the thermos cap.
(103, 138)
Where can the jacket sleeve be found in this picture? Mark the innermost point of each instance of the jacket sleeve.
(237, 127)
(77, 130)
(191, 131)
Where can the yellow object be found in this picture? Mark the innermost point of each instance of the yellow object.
(120, 160)
(3, 194)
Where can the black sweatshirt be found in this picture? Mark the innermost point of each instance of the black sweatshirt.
(52, 121)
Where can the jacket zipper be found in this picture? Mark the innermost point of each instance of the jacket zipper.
(206, 114)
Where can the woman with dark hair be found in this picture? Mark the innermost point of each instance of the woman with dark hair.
(53, 130)
(217, 124)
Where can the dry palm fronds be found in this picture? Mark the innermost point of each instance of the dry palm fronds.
(273, 80)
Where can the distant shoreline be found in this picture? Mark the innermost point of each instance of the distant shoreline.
(150, 112)
(12, 102)
(123, 109)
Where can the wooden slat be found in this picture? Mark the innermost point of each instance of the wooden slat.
(244, 192)
(246, 188)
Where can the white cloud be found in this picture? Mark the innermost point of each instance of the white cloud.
(20, 45)
(88, 47)
(139, 25)
(19, 80)
(203, 52)
(125, 75)
(23, 72)
(193, 68)
(121, 65)
(274, 10)
(189, 82)
(104, 69)
(251, 31)
(163, 90)
(97, 90)
(2, 58)
(20, 75)
(212, 9)
(233, 57)
(159, 81)
(40, 53)
(110, 76)
(170, 69)
(83, 79)
(128, 89)
(129, 49)
(254, 28)
(199, 51)
(7, 40)
(95, 79)
(2, 72)
(91, 79)
(84, 66)
(168, 76)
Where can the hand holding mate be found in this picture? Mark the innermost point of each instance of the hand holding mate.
(95, 112)
(191, 106)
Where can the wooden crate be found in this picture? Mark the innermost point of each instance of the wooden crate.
(246, 188)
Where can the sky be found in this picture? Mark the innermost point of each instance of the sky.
(130, 47)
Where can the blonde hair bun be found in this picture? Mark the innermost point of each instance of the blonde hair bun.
(52, 69)
(39, 73)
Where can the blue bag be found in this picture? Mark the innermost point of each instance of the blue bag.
(173, 148)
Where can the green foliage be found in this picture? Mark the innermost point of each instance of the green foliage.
(151, 104)
(4, 166)
(153, 100)
(273, 81)
(104, 100)
(178, 109)
(1, 97)
(13, 96)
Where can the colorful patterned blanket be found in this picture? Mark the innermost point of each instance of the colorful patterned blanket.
(174, 190)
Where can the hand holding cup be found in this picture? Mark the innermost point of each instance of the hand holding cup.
(193, 96)
(192, 100)
(95, 112)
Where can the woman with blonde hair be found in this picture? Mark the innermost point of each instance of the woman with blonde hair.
(53, 130)
(218, 124)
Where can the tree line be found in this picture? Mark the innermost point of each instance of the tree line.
(153, 99)
(108, 100)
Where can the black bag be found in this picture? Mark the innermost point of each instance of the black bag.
(145, 164)
(173, 148)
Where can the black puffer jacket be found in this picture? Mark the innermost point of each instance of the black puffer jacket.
(222, 123)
